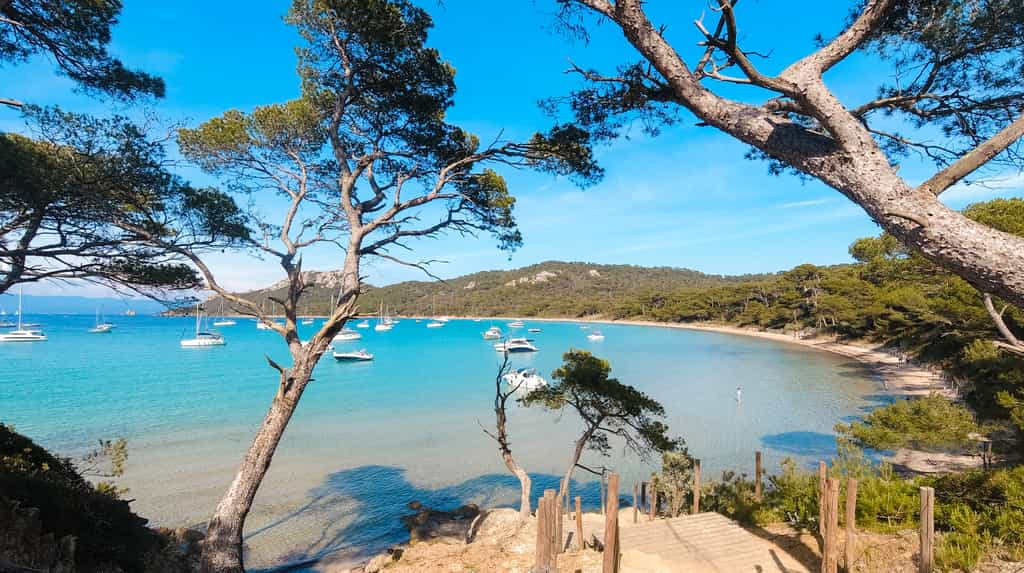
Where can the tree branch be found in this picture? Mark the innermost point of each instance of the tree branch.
(978, 157)
(997, 318)
(844, 44)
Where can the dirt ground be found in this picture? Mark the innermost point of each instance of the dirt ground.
(500, 544)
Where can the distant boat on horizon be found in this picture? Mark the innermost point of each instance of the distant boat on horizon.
(22, 333)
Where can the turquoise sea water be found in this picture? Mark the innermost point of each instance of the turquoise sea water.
(370, 437)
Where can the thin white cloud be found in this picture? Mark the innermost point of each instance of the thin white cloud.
(807, 203)
(1005, 185)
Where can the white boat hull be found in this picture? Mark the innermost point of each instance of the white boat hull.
(202, 342)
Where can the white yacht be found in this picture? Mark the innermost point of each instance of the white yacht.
(595, 336)
(435, 324)
(493, 333)
(516, 324)
(347, 335)
(262, 325)
(307, 321)
(515, 345)
(532, 330)
(22, 333)
(202, 338)
(363, 324)
(357, 356)
(525, 379)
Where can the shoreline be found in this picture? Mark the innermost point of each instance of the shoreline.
(898, 377)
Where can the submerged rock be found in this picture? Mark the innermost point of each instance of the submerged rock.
(435, 525)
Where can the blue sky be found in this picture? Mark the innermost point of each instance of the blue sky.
(686, 198)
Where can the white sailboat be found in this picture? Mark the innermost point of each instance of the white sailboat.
(363, 324)
(203, 338)
(101, 327)
(493, 333)
(383, 324)
(596, 336)
(22, 333)
(223, 320)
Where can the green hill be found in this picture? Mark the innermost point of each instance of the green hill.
(552, 288)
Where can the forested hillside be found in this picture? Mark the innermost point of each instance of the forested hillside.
(552, 289)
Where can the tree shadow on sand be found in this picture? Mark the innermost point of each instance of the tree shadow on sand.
(364, 506)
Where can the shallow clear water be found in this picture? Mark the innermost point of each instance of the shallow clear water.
(370, 437)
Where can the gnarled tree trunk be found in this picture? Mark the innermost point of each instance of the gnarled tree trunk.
(222, 549)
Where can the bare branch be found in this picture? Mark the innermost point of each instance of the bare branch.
(845, 43)
(997, 318)
(977, 157)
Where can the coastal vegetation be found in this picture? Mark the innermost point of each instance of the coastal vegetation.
(607, 407)
(979, 512)
(53, 517)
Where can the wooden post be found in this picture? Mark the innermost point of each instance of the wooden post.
(822, 476)
(559, 524)
(851, 522)
(636, 510)
(652, 500)
(551, 502)
(757, 476)
(611, 527)
(603, 497)
(696, 487)
(643, 494)
(927, 530)
(543, 550)
(580, 542)
(830, 531)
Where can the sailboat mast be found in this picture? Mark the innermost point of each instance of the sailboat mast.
(21, 295)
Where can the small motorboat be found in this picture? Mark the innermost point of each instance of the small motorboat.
(516, 345)
(307, 321)
(493, 333)
(516, 324)
(525, 379)
(224, 322)
(435, 324)
(347, 335)
(363, 324)
(533, 330)
(595, 336)
(357, 356)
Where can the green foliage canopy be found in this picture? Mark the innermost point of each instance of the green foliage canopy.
(75, 34)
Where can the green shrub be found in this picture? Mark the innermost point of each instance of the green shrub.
(958, 551)
(930, 423)
(792, 497)
(733, 497)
